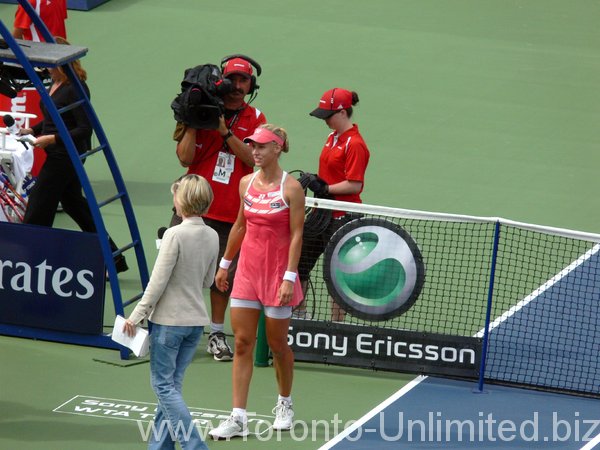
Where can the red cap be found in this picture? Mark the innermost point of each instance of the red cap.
(331, 102)
(237, 65)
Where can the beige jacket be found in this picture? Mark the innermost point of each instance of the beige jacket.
(186, 264)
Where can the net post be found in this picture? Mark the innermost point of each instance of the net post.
(488, 312)
(261, 356)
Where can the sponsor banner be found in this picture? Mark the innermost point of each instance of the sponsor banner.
(373, 269)
(51, 278)
(385, 349)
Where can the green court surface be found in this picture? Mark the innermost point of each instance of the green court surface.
(478, 107)
(47, 390)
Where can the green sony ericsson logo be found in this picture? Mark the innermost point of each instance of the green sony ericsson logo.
(373, 269)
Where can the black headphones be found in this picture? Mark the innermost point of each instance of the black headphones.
(253, 86)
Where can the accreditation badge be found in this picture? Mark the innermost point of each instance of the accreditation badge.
(224, 167)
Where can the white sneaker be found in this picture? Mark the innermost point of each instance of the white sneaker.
(284, 415)
(232, 427)
(218, 347)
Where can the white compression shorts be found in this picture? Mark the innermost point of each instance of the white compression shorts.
(273, 312)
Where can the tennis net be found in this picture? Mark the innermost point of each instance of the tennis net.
(447, 294)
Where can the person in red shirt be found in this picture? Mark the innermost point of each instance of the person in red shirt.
(52, 12)
(342, 166)
(223, 159)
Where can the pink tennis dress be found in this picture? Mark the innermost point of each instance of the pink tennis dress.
(265, 249)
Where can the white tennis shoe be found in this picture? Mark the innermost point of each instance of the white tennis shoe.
(284, 415)
(232, 427)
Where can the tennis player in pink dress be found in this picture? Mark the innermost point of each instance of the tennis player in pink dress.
(266, 246)
(268, 235)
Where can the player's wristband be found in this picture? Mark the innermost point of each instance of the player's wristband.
(224, 263)
(290, 276)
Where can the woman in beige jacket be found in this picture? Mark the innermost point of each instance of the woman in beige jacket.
(174, 303)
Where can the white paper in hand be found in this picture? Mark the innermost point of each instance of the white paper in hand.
(139, 344)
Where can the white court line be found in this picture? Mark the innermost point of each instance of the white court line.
(68, 401)
(364, 419)
(590, 445)
(544, 287)
(405, 389)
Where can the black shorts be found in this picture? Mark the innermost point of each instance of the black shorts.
(314, 246)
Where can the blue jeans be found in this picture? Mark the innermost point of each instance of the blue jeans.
(172, 349)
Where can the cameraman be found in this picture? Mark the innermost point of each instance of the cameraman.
(223, 159)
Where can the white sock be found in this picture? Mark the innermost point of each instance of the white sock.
(214, 327)
(241, 413)
(287, 399)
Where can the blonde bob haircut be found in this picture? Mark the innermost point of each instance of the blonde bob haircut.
(193, 194)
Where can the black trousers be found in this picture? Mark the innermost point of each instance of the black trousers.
(58, 182)
(314, 246)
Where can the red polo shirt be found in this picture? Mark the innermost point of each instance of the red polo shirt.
(344, 157)
(52, 12)
(209, 144)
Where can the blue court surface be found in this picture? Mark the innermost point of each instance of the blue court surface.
(549, 338)
(562, 315)
(434, 413)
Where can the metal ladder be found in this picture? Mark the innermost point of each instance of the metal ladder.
(48, 54)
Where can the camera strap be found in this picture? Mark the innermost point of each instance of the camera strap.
(226, 158)
(230, 125)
